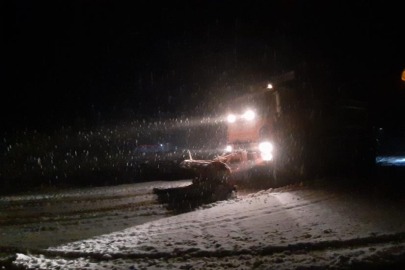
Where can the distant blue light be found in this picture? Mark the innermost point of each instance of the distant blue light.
(390, 160)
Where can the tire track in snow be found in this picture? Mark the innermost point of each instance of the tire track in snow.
(228, 219)
(268, 213)
(398, 238)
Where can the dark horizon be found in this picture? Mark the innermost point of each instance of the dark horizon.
(67, 62)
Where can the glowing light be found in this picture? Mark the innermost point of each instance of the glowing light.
(265, 147)
(403, 75)
(231, 118)
(267, 157)
(249, 115)
(228, 148)
(390, 161)
(269, 86)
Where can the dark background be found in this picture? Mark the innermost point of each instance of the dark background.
(69, 62)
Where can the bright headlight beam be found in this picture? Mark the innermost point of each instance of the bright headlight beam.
(249, 115)
(231, 118)
(267, 157)
(265, 147)
(228, 148)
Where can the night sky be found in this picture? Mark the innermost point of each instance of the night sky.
(63, 62)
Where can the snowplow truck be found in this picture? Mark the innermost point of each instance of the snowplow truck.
(282, 131)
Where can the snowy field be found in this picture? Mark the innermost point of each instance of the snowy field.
(287, 228)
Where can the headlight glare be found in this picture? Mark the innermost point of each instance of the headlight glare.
(267, 157)
(249, 115)
(231, 118)
(265, 147)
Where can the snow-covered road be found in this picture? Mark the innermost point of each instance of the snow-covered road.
(48, 219)
(283, 228)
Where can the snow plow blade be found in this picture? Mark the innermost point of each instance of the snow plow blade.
(184, 199)
(203, 165)
(210, 184)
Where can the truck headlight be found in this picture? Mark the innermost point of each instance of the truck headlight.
(267, 157)
(266, 149)
(249, 115)
(231, 118)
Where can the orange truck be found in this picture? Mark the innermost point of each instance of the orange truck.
(279, 131)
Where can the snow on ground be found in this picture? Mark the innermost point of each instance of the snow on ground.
(43, 220)
(120, 190)
(364, 257)
(282, 229)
